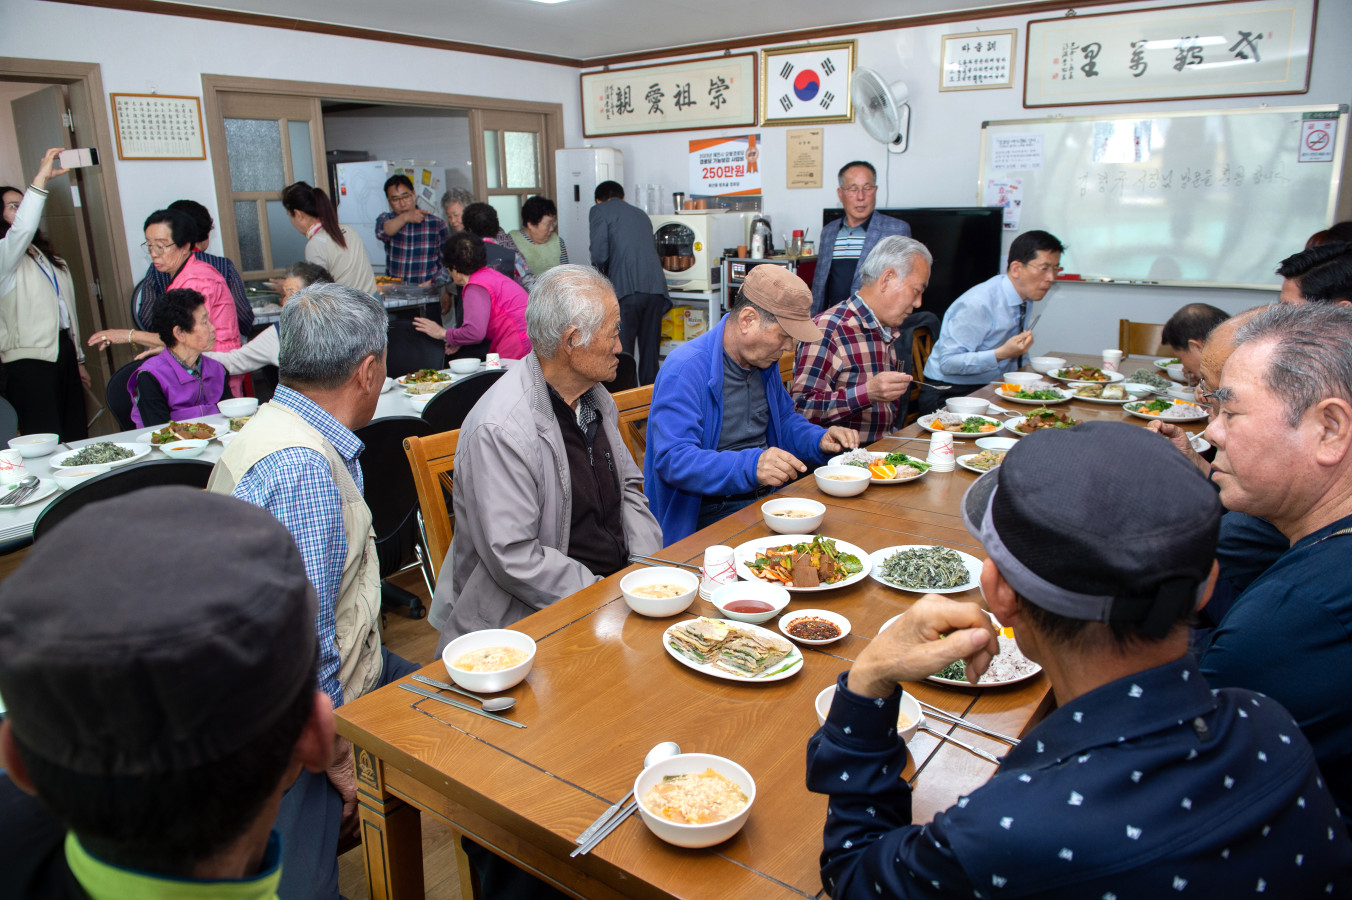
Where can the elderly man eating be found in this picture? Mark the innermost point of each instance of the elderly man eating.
(1284, 441)
(547, 498)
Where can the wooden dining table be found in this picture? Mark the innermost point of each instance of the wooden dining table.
(603, 691)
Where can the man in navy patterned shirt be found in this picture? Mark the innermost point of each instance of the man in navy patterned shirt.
(1144, 782)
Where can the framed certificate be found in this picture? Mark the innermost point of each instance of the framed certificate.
(978, 60)
(158, 126)
(807, 84)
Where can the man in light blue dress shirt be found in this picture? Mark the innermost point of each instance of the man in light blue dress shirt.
(985, 332)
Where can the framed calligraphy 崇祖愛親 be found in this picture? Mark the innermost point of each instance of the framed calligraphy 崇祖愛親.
(716, 92)
(1231, 49)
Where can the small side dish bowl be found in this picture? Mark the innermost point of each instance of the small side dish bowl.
(34, 445)
(787, 621)
(773, 594)
(238, 407)
(997, 443)
(489, 682)
(686, 835)
(419, 401)
(1022, 378)
(967, 406)
(72, 478)
(910, 711)
(184, 449)
(1045, 364)
(777, 518)
(659, 607)
(1186, 394)
(465, 366)
(841, 481)
(1175, 372)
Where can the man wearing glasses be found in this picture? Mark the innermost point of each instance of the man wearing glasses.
(985, 332)
(412, 238)
(846, 241)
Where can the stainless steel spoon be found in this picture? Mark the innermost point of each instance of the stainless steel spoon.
(492, 704)
(655, 755)
(23, 488)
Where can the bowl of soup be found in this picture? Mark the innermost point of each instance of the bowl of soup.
(749, 601)
(659, 591)
(790, 515)
(841, 481)
(695, 799)
(908, 719)
(491, 660)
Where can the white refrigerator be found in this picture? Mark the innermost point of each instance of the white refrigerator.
(577, 172)
(361, 196)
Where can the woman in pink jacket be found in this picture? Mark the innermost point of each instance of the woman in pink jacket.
(495, 305)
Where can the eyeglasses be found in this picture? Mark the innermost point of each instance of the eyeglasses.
(860, 190)
(156, 249)
(395, 198)
(1046, 268)
(1203, 396)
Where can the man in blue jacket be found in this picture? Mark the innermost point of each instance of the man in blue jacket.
(722, 430)
(846, 241)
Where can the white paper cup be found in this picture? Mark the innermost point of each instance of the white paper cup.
(492, 361)
(941, 452)
(1111, 359)
(12, 468)
(718, 569)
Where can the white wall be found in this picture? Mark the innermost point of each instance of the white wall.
(141, 53)
(391, 132)
(942, 164)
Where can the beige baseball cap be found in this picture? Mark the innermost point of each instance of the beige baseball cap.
(786, 296)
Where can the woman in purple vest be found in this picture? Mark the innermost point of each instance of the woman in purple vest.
(495, 305)
(182, 383)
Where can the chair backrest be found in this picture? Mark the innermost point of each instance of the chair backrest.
(786, 366)
(1139, 338)
(633, 423)
(390, 492)
(137, 297)
(626, 374)
(432, 459)
(410, 350)
(447, 410)
(118, 397)
(124, 480)
(9, 422)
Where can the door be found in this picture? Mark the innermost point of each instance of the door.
(271, 141)
(509, 155)
(40, 121)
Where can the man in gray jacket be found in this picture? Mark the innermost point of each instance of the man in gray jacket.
(547, 498)
(622, 248)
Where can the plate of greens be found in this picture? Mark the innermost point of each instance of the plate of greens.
(1168, 409)
(1166, 363)
(100, 453)
(1032, 394)
(925, 568)
(885, 468)
(1009, 666)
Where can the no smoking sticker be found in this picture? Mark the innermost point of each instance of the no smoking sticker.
(1317, 135)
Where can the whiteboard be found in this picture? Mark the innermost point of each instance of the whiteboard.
(1213, 198)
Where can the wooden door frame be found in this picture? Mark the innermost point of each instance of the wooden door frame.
(212, 85)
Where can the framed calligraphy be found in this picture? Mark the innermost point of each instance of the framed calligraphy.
(158, 126)
(978, 60)
(717, 92)
(1227, 49)
(807, 84)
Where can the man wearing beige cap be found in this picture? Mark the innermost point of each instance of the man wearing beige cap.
(722, 430)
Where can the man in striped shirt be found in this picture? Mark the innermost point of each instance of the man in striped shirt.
(845, 242)
(853, 376)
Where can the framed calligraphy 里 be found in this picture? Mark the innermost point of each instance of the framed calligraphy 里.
(716, 92)
(1241, 49)
(807, 84)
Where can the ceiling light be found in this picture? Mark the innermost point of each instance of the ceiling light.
(549, 1)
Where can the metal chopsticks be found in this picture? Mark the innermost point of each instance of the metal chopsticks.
(603, 820)
(663, 562)
(957, 743)
(423, 692)
(605, 830)
(20, 493)
(934, 712)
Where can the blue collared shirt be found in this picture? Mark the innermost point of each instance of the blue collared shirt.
(1149, 785)
(296, 486)
(983, 318)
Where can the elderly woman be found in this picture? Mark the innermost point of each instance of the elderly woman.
(335, 247)
(39, 336)
(538, 238)
(155, 282)
(495, 305)
(182, 383)
(453, 204)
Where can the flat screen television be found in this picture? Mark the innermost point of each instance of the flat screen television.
(965, 243)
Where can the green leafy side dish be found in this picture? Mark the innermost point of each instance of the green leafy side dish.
(1155, 407)
(1050, 394)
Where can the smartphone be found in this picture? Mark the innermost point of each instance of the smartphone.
(79, 157)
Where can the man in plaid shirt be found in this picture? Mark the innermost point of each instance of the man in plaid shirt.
(412, 238)
(852, 376)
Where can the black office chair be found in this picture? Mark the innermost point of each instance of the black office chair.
(115, 483)
(411, 350)
(447, 410)
(626, 375)
(393, 499)
(137, 298)
(118, 397)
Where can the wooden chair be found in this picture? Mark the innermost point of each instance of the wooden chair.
(1139, 338)
(786, 366)
(922, 344)
(433, 461)
(634, 406)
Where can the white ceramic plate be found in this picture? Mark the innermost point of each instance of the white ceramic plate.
(1165, 363)
(965, 683)
(837, 461)
(744, 553)
(926, 420)
(46, 487)
(1012, 425)
(220, 423)
(1112, 377)
(835, 619)
(1180, 405)
(965, 462)
(878, 557)
(778, 672)
(138, 451)
(1075, 396)
(1064, 397)
(403, 379)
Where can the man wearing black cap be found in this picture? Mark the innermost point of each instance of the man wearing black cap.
(158, 726)
(1144, 782)
(722, 430)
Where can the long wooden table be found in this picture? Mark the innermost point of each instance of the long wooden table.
(603, 691)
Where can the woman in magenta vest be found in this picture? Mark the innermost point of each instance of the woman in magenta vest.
(495, 305)
(183, 383)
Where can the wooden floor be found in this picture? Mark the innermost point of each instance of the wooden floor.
(414, 640)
